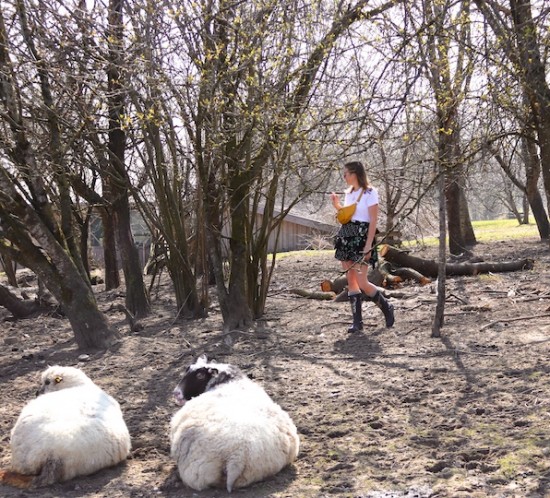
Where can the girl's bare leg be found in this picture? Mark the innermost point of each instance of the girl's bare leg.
(363, 281)
(351, 275)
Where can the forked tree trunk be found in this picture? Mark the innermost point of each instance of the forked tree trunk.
(39, 250)
(534, 79)
(524, 51)
(19, 308)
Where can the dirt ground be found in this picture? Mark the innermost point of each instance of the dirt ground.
(381, 414)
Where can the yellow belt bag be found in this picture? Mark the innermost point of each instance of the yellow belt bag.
(344, 214)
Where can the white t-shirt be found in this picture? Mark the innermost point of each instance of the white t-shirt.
(369, 198)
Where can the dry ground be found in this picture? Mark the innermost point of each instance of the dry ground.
(383, 413)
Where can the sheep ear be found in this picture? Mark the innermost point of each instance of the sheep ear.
(213, 371)
(58, 379)
(202, 360)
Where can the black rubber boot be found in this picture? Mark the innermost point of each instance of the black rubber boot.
(356, 302)
(385, 306)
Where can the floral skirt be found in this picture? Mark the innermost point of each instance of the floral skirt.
(350, 240)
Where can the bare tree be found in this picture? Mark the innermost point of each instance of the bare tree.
(445, 26)
(36, 218)
(517, 34)
(253, 86)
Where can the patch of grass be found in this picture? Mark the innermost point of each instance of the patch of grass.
(489, 277)
(537, 375)
(527, 458)
(485, 231)
(491, 231)
(308, 253)
(509, 465)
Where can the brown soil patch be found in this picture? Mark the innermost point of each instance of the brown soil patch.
(383, 413)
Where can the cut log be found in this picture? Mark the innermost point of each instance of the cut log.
(376, 277)
(401, 274)
(412, 274)
(337, 285)
(428, 267)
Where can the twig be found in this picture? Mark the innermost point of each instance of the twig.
(411, 330)
(479, 353)
(457, 297)
(535, 298)
(237, 331)
(296, 308)
(505, 320)
(332, 323)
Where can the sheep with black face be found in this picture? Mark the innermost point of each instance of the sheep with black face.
(229, 432)
(71, 428)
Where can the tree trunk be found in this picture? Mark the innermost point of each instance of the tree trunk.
(112, 276)
(9, 267)
(526, 208)
(340, 284)
(439, 270)
(136, 294)
(457, 242)
(237, 303)
(530, 187)
(83, 223)
(459, 225)
(449, 83)
(466, 221)
(137, 301)
(90, 326)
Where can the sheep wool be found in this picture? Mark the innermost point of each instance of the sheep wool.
(72, 428)
(229, 431)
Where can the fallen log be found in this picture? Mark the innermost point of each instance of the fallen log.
(326, 296)
(429, 268)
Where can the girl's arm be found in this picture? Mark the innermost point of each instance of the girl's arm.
(373, 213)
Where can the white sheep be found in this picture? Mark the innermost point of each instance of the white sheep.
(229, 431)
(72, 428)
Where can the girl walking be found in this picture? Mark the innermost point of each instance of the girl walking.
(354, 244)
